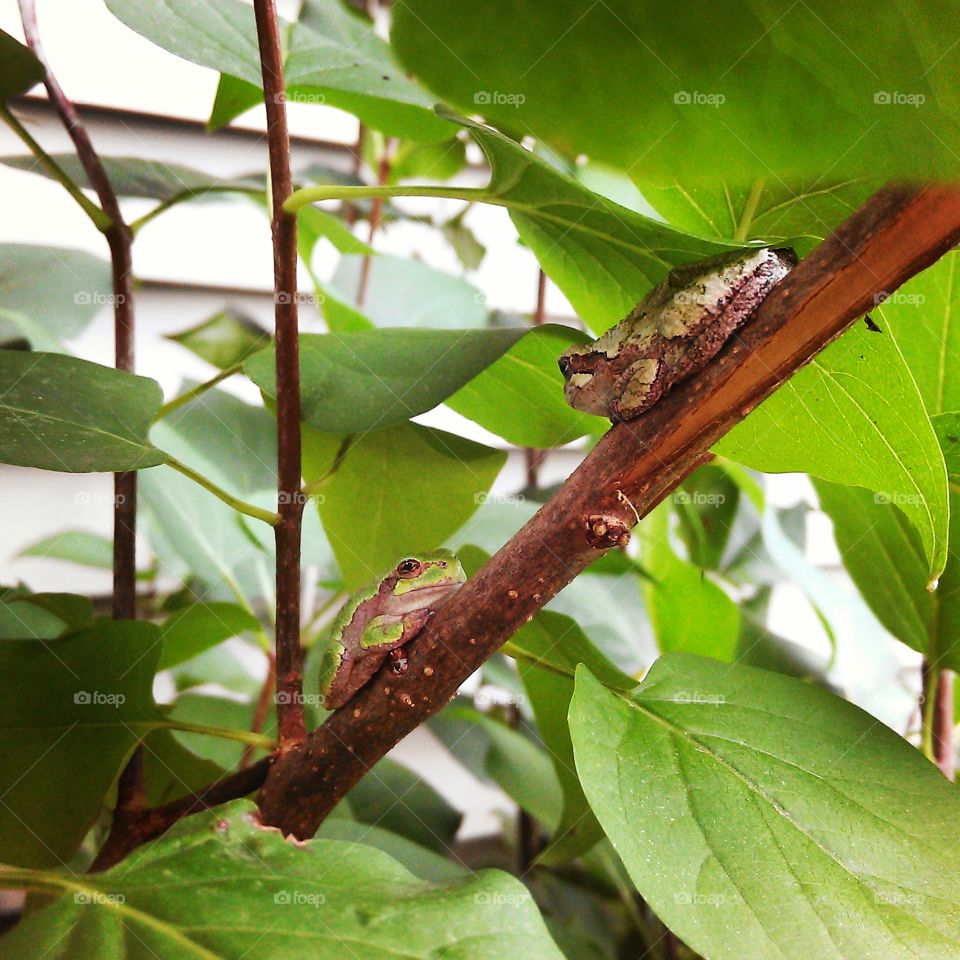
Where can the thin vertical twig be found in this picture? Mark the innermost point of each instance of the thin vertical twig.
(262, 708)
(532, 456)
(936, 713)
(131, 791)
(376, 212)
(289, 698)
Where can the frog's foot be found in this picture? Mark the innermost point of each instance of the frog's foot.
(399, 661)
(643, 384)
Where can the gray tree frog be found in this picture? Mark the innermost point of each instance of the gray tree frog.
(672, 333)
(379, 619)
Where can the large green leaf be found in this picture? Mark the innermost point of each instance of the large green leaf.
(801, 214)
(61, 413)
(19, 68)
(394, 798)
(366, 506)
(603, 256)
(70, 712)
(854, 415)
(520, 397)
(191, 630)
(49, 294)
(756, 90)
(333, 57)
(761, 816)
(225, 339)
(884, 557)
(221, 885)
(689, 612)
(548, 651)
(74, 546)
(353, 382)
(402, 292)
(148, 179)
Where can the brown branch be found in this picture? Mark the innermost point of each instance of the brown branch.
(897, 233)
(131, 793)
(145, 825)
(290, 720)
(941, 715)
(119, 240)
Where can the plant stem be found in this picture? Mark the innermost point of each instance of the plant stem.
(376, 210)
(936, 712)
(100, 220)
(241, 506)
(198, 391)
(533, 457)
(131, 789)
(262, 708)
(749, 211)
(290, 717)
(241, 736)
(333, 191)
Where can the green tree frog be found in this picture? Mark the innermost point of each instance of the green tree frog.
(380, 619)
(671, 334)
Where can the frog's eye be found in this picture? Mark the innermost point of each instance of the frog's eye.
(408, 567)
(564, 364)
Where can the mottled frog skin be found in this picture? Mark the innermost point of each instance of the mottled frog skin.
(379, 619)
(672, 333)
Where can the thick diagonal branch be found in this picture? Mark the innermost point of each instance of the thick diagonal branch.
(896, 234)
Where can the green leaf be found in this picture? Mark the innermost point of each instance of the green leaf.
(428, 161)
(327, 898)
(921, 315)
(75, 287)
(778, 212)
(42, 616)
(854, 415)
(332, 57)
(520, 397)
(74, 546)
(148, 179)
(354, 382)
(221, 713)
(61, 413)
(171, 771)
(20, 69)
(688, 611)
(706, 508)
(314, 223)
(548, 651)
(234, 97)
(603, 256)
(402, 292)
(366, 507)
(225, 339)
(394, 798)
(191, 630)
(761, 816)
(521, 768)
(761, 91)
(67, 732)
(884, 557)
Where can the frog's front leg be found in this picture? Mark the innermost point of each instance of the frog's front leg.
(389, 631)
(642, 386)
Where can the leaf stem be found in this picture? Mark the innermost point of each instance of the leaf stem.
(749, 211)
(241, 506)
(100, 220)
(305, 195)
(198, 391)
(241, 736)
